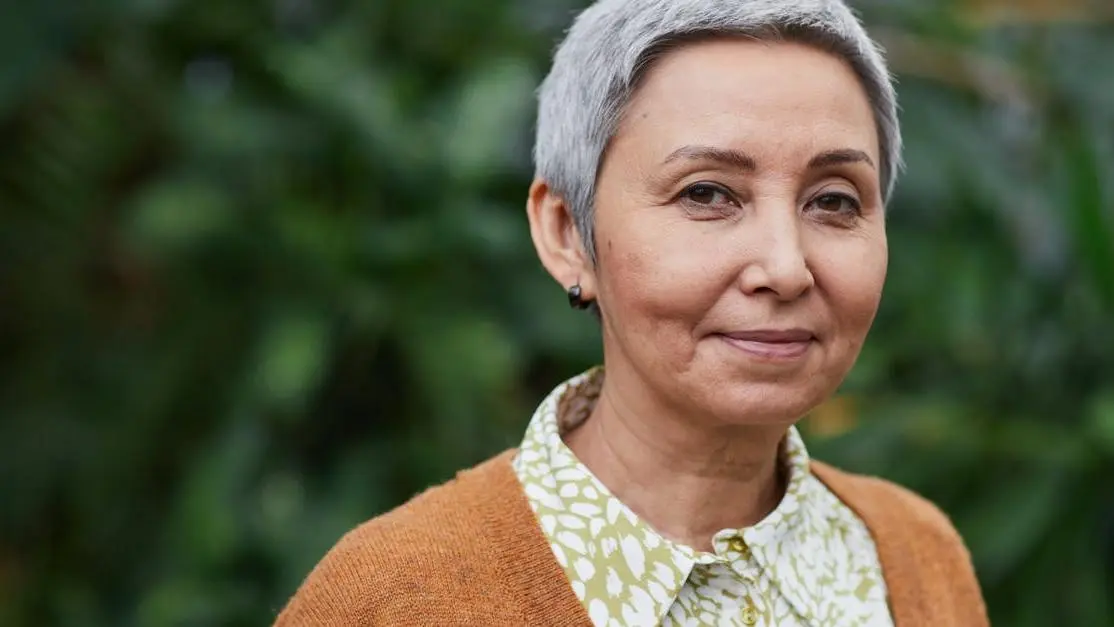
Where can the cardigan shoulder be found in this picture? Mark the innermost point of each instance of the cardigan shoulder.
(928, 569)
(872, 492)
(427, 560)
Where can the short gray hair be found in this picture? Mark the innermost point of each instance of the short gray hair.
(612, 44)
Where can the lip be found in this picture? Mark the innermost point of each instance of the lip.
(771, 344)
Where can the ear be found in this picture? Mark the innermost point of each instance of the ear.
(557, 239)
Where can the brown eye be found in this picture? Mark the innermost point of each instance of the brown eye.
(838, 204)
(707, 194)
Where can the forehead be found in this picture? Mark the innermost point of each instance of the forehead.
(749, 94)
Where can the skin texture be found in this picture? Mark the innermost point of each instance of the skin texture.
(740, 193)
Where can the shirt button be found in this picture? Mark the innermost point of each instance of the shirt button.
(750, 616)
(736, 544)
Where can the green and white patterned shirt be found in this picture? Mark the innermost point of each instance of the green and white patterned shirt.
(811, 562)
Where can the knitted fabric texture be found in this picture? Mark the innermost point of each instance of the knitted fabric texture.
(470, 552)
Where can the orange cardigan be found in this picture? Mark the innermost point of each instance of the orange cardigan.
(470, 552)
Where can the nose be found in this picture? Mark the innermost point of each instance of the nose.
(776, 263)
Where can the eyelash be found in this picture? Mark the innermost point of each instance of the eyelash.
(714, 188)
(854, 206)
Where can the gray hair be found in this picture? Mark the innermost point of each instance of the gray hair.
(612, 44)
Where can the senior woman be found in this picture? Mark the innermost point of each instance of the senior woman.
(711, 182)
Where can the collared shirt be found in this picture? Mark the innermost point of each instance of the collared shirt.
(811, 562)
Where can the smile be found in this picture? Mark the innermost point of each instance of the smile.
(771, 345)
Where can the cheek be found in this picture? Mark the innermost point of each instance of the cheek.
(852, 276)
(654, 270)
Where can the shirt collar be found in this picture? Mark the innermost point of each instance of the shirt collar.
(621, 545)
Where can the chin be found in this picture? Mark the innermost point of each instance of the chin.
(764, 403)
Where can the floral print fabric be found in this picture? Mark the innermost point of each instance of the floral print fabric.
(811, 562)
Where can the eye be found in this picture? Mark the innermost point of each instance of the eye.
(837, 204)
(708, 194)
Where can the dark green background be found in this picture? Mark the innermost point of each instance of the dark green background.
(265, 272)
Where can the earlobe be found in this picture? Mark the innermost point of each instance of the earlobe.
(557, 239)
(576, 298)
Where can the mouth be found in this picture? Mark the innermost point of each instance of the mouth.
(771, 344)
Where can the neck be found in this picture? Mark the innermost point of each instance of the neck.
(686, 478)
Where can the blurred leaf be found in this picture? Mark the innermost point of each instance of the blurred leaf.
(1101, 421)
(495, 99)
(178, 215)
(1094, 233)
(292, 355)
(1004, 525)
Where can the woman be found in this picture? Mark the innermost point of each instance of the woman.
(711, 182)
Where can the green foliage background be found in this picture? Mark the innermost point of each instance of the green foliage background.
(265, 272)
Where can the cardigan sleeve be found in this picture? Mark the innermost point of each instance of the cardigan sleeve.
(342, 590)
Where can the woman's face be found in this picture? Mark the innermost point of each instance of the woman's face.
(740, 231)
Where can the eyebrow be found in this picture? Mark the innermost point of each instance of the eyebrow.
(733, 158)
(829, 158)
(745, 162)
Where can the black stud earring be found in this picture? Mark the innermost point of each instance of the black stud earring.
(576, 300)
